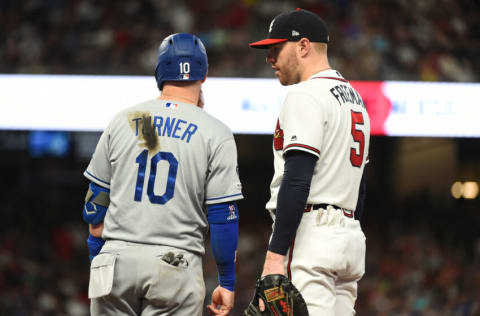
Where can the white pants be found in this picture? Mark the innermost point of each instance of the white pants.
(326, 260)
(131, 279)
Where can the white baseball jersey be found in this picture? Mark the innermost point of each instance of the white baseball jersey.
(326, 117)
(162, 162)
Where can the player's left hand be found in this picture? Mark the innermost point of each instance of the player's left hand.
(222, 301)
(282, 296)
(274, 264)
(94, 244)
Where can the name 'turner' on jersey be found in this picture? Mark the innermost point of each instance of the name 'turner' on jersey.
(164, 126)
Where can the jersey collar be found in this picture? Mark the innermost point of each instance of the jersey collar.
(328, 74)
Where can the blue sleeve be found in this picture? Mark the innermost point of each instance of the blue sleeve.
(223, 221)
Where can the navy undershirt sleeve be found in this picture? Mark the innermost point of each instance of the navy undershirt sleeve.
(362, 193)
(292, 198)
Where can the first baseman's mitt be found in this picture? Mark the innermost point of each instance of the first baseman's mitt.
(280, 296)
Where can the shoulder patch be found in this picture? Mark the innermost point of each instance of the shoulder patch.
(278, 137)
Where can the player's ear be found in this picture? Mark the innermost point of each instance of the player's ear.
(205, 78)
(303, 47)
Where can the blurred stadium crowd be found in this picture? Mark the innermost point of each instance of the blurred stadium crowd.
(421, 260)
(432, 40)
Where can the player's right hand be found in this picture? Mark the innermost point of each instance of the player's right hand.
(222, 301)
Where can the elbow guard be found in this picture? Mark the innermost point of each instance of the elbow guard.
(96, 204)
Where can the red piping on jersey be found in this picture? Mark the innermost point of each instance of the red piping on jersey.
(290, 257)
(334, 78)
(303, 146)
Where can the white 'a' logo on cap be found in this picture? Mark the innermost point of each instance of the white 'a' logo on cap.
(271, 25)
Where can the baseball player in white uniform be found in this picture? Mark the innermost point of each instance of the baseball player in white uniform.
(164, 172)
(320, 147)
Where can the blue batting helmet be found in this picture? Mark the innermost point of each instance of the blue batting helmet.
(181, 57)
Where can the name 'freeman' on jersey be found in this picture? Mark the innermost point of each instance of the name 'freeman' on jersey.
(164, 126)
(345, 94)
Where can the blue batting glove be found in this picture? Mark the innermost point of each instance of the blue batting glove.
(95, 244)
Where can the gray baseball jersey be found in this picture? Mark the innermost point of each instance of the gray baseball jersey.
(163, 162)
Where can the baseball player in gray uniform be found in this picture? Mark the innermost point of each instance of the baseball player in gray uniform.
(163, 174)
(320, 150)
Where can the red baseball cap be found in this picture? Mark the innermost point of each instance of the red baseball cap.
(293, 26)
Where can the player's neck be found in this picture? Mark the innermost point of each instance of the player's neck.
(177, 98)
(180, 94)
(313, 68)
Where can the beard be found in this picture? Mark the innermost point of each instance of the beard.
(288, 73)
(282, 78)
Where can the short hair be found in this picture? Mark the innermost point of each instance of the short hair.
(321, 48)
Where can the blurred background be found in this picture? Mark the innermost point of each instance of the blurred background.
(422, 218)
